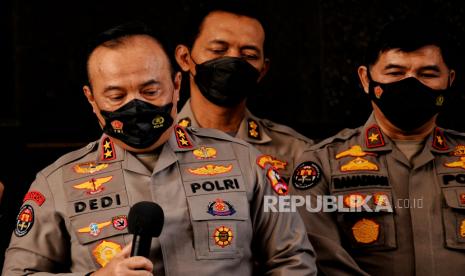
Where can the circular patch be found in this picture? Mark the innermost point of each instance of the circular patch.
(223, 236)
(365, 231)
(306, 175)
(120, 222)
(354, 200)
(24, 220)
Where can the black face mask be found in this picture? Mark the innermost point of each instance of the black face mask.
(408, 104)
(226, 81)
(138, 124)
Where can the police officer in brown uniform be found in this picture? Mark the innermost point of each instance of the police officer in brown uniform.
(74, 217)
(400, 164)
(226, 59)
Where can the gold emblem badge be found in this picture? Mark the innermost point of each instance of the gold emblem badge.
(365, 231)
(223, 236)
(459, 151)
(94, 228)
(253, 129)
(440, 100)
(204, 153)
(354, 151)
(359, 164)
(268, 159)
(456, 164)
(93, 186)
(89, 167)
(378, 91)
(185, 122)
(277, 183)
(211, 169)
(158, 121)
(117, 126)
(105, 251)
(354, 200)
(381, 199)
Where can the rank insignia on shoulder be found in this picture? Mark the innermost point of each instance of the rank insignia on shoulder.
(456, 164)
(223, 236)
(365, 231)
(120, 222)
(459, 151)
(35, 196)
(24, 220)
(277, 183)
(262, 160)
(373, 137)
(105, 251)
(204, 152)
(354, 151)
(185, 122)
(108, 149)
(439, 140)
(211, 169)
(94, 229)
(359, 164)
(253, 129)
(93, 186)
(89, 167)
(354, 200)
(306, 175)
(182, 138)
(221, 208)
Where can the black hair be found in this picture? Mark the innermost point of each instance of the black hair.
(246, 8)
(115, 37)
(408, 35)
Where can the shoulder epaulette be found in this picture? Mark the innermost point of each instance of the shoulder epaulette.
(285, 130)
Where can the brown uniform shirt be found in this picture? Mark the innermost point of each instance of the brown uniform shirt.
(425, 232)
(74, 217)
(280, 143)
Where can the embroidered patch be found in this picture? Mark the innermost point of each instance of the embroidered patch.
(462, 198)
(105, 251)
(354, 200)
(221, 208)
(94, 229)
(93, 186)
(373, 137)
(359, 164)
(381, 199)
(462, 229)
(223, 236)
(185, 122)
(89, 168)
(439, 140)
(306, 175)
(204, 153)
(211, 169)
(456, 164)
(108, 149)
(378, 91)
(263, 160)
(365, 231)
(35, 196)
(24, 220)
(120, 222)
(117, 126)
(277, 183)
(253, 129)
(459, 151)
(181, 138)
(354, 151)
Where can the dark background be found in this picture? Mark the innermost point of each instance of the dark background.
(312, 85)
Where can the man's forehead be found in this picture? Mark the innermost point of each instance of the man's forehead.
(429, 54)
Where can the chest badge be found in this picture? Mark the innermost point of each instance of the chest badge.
(204, 153)
(359, 164)
(456, 164)
(105, 251)
(211, 169)
(268, 159)
(94, 229)
(221, 208)
(223, 236)
(93, 186)
(89, 168)
(365, 231)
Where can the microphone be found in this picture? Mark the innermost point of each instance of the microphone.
(145, 220)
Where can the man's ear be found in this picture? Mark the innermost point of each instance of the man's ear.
(90, 98)
(266, 67)
(451, 77)
(182, 57)
(177, 87)
(363, 76)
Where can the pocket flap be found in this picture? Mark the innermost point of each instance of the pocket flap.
(224, 206)
(455, 197)
(377, 200)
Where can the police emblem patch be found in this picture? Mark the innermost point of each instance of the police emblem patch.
(381, 199)
(93, 186)
(185, 122)
(220, 208)
(263, 160)
(359, 164)
(223, 236)
(24, 220)
(105, 251)
(35, 196)
(365, 231)
(204, 153)
(120, 222)
(459, 151)
(89, 168)
(94, 229)
(277, 183)
(117, 126)
(354, 200)
(306, 175)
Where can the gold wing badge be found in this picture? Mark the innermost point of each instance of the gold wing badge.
(93, 186)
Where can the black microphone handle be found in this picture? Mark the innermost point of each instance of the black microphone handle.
(141, 245)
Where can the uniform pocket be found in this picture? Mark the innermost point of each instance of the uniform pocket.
(371, 228)
(220, 223)
(454, 217)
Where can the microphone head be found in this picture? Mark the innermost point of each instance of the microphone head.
(146, 219)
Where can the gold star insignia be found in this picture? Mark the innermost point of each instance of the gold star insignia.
(107, 145)
(373, 137)
(108, 153)
(440, 141)
(253, 125)
(183, 142)
(181, 134)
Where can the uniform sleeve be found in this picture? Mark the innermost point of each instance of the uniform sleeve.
(40, 242)
(280, 238)
(322, 227)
